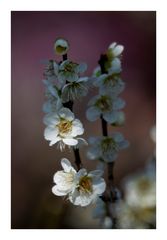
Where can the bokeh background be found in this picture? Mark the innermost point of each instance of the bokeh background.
(33, 161)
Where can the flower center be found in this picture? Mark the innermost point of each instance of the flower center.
(108, 144)
(85, 184)
(113, 79)
(144, 184)
(64, 126)
(60, 49)
(70, 67)
(104, 103)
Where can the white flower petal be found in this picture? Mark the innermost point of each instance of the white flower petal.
(112, 45)
(64, 181)
(72, 77)
(54, 141)
(70, 141)
(118, 137)
(115, 66)
(117, 50)
(110, 117)
(118, 104)
(99, 186)
(66, 165)
(83, 79)
(93, 100)
(51, 119)
(100, 80)
(82, 172)
(57, 192)
(81, 200)
(66, 114)
(96, 173)
(50, 133)
(77, 128)
(53, 91)
(56, 68)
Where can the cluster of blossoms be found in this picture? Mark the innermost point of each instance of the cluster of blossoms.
(138, 208)
(107, 105)
(64, 85)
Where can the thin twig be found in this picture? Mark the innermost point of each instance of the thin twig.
(69, 105)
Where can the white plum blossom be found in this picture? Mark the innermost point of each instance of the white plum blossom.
(65, 179)
(88, 187)
(105, 106)
(61, 46)
(109, 84)
(106, 148)
(138, 209)
(81, 188)
(62, 127)
(75, 90)
(140, 190)
(69, 71)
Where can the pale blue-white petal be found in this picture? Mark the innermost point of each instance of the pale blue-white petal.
(51, 119)
(117, 50)
(82, 172)
(83, 79)
(110, 117)
(118, 137)
(112, 45)
(82, 67)
(118, 104)
(96, 173)
(99, 186)
(93, 100)
(66, 165)
(93, 113)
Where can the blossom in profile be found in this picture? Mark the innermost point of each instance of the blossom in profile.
(75, 90)
(62, 127)
(106, 148)
(81, 188)
(115, 50)
(104, 106)
(61, 46)
(65, 179)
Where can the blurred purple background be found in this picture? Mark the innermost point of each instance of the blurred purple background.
(33, 161)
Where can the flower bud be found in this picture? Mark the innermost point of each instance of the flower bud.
(61, 46)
